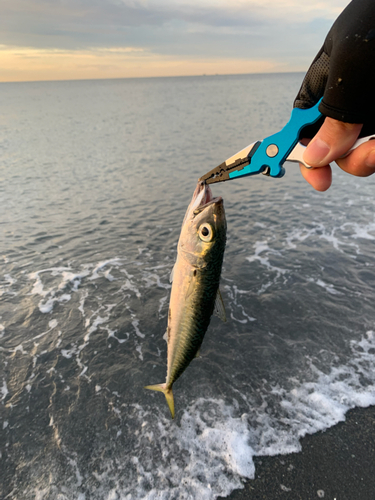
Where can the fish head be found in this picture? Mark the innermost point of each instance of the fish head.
(204, 228)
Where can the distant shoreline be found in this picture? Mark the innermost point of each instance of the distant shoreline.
(335, 464)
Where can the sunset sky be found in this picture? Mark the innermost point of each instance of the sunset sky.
(79, 39)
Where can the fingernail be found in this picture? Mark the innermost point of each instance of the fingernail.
(316, 151)
(370, 160)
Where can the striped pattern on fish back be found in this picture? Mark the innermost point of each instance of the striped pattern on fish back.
(197, 315)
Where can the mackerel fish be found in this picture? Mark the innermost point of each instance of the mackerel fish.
(195, 294)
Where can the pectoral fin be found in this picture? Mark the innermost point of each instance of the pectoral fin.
(191, 286)
(219, 308)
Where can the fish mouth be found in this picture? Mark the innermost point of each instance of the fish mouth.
(214, 201)
(202, 198)
(202, 194)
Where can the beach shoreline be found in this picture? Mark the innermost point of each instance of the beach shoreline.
(337, 463)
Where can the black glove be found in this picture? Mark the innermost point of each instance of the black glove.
(343, 72)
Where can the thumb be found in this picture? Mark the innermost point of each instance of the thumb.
(333, 139)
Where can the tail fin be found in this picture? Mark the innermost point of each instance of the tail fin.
(167, 393)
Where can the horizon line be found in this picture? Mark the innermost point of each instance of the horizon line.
(202, 75)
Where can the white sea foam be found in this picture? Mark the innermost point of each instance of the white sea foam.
(135, 324)
(262, 254)
(108, 275)
(52, 324)
(362, 230)
(98, 321)
(56, 294)
(299, 235)
(46, 307)
(101, 265)
(333, 235)
(261, 249)
(138, 348)
(4, 390)
(84, 296)
(328, 287)
(220, 443)
(9, 279)
(52, 285)
(129, 284)
(68, 353)
(111, 334)
(67, 277)
(38, 288)
(235, 306)
(162, 306)
(152, 279)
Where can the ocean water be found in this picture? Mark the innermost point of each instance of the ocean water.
(95, 178)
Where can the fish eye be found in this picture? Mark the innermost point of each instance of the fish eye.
(205, 232)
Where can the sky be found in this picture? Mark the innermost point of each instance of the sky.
(89, 39)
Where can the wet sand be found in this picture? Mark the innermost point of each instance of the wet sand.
(338, 463)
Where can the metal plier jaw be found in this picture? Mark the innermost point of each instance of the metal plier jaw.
(268, 156)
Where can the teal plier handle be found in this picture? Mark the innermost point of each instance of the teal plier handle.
(273, 151)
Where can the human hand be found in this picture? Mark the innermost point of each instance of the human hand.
(344, 74)
(333, 140)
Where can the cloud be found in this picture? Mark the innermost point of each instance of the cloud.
(82, 23)
(286, 32)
